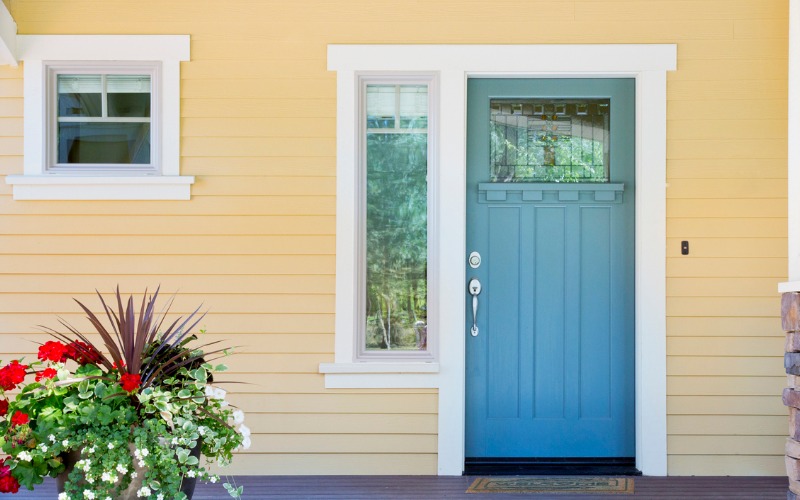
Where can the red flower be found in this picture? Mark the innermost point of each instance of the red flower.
(11, 375)
(46, 373)
(114, 365)
(3, 407)
(19, 418)
(82, 352)
(9, 484)
(130, 382)
(53, 351)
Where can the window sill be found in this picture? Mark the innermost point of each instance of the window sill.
(51, 187)
(407, 375)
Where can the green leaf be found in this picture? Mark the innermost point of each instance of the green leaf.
(184, 393)
(85, 395)
(100, 389)
(88, 370)
(200, 375)
(161, 406)
(221, 368)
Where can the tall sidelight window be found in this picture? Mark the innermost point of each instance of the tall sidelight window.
(395, 164)
(103, 120)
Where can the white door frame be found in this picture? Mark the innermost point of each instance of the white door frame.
(648, 65)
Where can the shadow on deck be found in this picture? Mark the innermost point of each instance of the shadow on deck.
(433, 487)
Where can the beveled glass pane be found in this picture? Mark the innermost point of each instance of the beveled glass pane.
(106, 143)
(549, 140)
(397, 220)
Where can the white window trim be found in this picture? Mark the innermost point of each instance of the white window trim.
(39, 51)
(793, 180)
(648, 65)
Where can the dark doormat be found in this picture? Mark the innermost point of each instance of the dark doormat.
(538, 484)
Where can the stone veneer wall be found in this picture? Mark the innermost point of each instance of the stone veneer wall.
(790, 319)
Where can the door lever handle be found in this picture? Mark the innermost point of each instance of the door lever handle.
(474, 290)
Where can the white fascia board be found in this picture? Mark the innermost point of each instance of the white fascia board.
(509, 59)
(793, 179)
(8, 37)
(103, 47)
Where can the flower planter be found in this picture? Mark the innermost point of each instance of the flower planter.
(129, 493)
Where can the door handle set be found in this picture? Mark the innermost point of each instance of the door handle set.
(474, 288)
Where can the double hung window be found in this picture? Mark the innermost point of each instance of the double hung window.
(103, 121)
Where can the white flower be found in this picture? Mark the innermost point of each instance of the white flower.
(134, 474)
(191, 473)
(108, 477)
(65, 443)
(201, 430)
(238, 416)
(209, 391)
(63, 496)
(90, 479)
(219, 393)
(141, 463)
(24, 456)
(110, 446)
(91, 450)
(213, 479)
(87, 465)
(145, 452)
(43, 447)
(175, 440)
(88, 494)
(160, 497)
(244, 430)
(52, 438)
(246, 443)
(122, 469)
(143, 492)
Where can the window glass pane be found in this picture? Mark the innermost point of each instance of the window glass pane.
(80, 142)
(549, 140)
(80, 95)
(128, 95)
(397, 218)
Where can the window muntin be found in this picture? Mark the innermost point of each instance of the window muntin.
(103, 119)
(549, 140)
(396, 156)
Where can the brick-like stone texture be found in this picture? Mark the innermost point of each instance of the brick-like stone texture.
(790, 311)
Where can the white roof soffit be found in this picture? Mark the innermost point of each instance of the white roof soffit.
(8, 37)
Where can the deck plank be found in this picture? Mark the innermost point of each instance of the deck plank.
(432, 487)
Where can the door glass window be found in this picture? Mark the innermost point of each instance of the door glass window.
(549, 140)
(396, 125)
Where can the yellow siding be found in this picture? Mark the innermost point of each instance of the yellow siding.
(256, 242)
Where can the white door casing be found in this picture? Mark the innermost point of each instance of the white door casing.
(648, 65)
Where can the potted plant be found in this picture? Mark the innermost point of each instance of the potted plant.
(126, 418)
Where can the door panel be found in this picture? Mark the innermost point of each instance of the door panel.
(550, 373)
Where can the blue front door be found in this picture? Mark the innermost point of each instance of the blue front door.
(550, 211)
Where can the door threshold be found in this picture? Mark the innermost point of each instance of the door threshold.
(578, 466)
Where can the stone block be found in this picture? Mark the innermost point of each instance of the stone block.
(794, 424)
(793, 448)
(790, 495)
(794, 486)
(792, 342)
(791, 361)
(790, 311)
(791, 398)
(792, 468)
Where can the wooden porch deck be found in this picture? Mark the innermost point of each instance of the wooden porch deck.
(433, 487)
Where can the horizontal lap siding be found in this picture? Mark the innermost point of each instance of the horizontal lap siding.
(256, 242)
